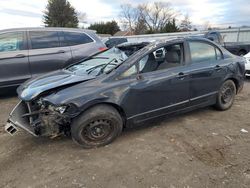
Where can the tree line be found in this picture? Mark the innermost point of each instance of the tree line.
(145, 18)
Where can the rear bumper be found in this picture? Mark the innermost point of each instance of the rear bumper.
(247, 73)
(16, 119)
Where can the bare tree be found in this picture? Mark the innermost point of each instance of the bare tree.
(152, 17)
(186, 24)
(156, 15)
(129, 16)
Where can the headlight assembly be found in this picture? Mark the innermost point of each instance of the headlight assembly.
(61, 109)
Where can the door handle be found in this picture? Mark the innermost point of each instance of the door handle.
(217, 68)
(139, 77)
(181, 75)
(20, 56)
(61, 52)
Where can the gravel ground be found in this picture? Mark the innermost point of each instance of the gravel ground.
(204, 148)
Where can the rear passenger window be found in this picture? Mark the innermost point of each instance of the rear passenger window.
(44, 39)
(202, 52)
(74, 38)
(11, 42)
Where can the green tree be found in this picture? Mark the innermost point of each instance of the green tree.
(105, 28)
(170, 27)
(60, 13)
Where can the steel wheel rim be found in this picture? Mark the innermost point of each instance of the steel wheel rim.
(227, 93)
(97, 131)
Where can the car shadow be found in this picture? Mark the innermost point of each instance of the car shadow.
(8, 93)
(165, 119)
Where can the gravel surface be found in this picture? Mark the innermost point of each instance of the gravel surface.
(204, 148)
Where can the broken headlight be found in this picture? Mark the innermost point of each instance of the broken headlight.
(60, 109)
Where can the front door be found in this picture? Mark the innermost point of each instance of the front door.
(162, 85)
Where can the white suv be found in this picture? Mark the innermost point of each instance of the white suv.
(247, 56)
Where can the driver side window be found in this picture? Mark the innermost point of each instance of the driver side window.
(163, 58)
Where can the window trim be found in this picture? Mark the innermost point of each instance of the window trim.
(205, 42)
(63, 36)
(30, 41)
(183, 63)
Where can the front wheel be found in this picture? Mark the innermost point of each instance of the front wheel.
(98, 126)
(226, 95)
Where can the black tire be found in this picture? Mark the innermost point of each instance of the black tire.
(98, 126)
(226, 95)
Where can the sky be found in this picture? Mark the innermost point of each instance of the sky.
(29, 13)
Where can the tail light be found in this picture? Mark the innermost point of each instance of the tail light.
(102, 49)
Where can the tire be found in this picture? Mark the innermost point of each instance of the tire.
(226, 95)
(98, 126)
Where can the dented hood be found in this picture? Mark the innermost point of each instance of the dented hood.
(34, 87)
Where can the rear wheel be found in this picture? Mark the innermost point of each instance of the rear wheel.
(97, 126)
(226, 95)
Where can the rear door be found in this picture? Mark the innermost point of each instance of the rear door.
(207, 71)
(46, 52)
(14, 64)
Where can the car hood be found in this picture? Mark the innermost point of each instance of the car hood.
(34, 87)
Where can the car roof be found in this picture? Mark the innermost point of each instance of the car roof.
(48, 29)
(171, 39)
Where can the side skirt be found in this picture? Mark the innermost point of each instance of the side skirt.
(132, 122)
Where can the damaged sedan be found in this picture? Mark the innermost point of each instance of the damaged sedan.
(96, 98)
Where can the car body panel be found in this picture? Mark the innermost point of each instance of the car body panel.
(144, 95)
(32, 88)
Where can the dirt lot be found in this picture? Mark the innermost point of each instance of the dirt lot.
(205, 148)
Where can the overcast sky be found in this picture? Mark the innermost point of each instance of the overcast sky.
(28, 13)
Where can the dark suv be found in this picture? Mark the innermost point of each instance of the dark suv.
(28, 52)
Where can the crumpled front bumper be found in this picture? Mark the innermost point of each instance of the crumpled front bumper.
(16, 120)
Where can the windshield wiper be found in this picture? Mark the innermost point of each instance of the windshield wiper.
(104, 65)
(95, 67)
(98, 57)
(109, 63)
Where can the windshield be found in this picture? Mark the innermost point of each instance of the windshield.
(107, 61)
(102, 63)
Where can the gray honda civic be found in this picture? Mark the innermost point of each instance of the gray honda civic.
(95, 99)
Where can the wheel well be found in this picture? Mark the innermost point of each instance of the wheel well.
(242, 51)
(115, 106)
(235, 82)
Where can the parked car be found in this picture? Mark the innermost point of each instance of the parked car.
(247, 56)
(95, 99)
(111, 42)
(29, 52)
(236, 48)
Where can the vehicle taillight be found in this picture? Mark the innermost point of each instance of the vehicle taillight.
(103, 49)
